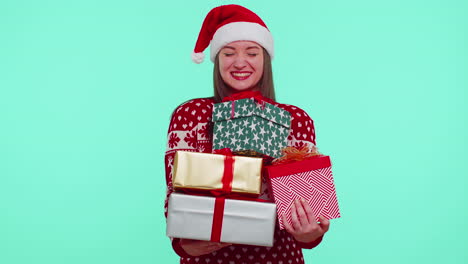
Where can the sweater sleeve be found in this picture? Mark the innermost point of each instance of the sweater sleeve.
(302, 133)
(187, 132)
(302, 128)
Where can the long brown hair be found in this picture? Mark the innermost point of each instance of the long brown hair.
(266, 86)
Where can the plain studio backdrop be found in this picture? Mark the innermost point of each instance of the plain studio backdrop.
(87, 89)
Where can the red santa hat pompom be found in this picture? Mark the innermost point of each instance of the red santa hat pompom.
(228, 23)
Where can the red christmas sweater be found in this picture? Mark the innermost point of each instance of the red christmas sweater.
(190, 130)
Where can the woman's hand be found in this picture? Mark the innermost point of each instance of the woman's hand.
(304, 226)
(199, 247)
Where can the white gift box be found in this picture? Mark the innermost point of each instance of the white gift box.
(243, 222)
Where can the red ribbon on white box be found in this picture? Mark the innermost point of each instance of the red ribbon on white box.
(218, 216)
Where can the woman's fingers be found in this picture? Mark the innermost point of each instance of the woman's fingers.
(223, 245)
(308, 211)
(305, 227)
(198, 247)
(287, 225)
(296, 224)
(324, 224)
(301, 213)
(217, 245)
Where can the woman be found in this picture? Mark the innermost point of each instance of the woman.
(241, 49)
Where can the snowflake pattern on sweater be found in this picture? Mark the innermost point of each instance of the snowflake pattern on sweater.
(190, 129)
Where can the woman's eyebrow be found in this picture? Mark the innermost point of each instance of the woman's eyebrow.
(251, 47)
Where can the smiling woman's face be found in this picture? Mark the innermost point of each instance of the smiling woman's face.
(241, 65)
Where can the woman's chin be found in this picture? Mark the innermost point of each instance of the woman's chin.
(243, 89)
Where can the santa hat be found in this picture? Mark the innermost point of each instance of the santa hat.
(228, 23)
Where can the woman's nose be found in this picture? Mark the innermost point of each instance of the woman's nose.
(239, 66)
(240, 62)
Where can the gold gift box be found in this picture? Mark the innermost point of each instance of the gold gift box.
(204, 171)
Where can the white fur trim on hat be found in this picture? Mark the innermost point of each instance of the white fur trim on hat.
(198, 57)
(241, 31)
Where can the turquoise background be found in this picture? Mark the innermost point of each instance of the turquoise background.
(87, 89)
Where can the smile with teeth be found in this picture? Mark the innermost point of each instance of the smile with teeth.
(241, 75)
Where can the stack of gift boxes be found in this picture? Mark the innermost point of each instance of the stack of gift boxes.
(216, 195)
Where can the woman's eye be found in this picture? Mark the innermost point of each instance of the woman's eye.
(252, 54)
(228, 54)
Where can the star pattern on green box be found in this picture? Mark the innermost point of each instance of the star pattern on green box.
(263, 128)
(248, 107)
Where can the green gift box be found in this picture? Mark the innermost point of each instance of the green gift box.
(249, 125)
